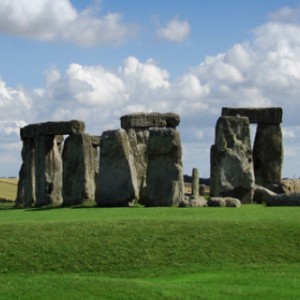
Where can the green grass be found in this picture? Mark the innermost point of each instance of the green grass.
(150, 253)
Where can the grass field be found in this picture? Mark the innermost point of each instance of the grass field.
(150, 253)
(8, 188)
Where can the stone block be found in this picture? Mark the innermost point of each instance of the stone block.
(52, 128)
(264, 115)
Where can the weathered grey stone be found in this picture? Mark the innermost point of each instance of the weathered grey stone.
(52, 128)
(165, 186)
(26, 185)
(48, 171)
(202, 189)
(268, 155)
(231, 160)
(138, 140)
(195, 182)
(147, 120)
(261, 194)
(290, 185)
(256, 115)
(290, 199)
(117, 180)
(95, 139)
(79, 170)
(224, 202)
(193, 202)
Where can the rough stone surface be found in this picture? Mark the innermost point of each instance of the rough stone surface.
(268, 155)
(290, 185)
(224, 202)
(195, 182)
(117, 180)
(202, 189)
(26, 184)
(52, 128)
(79, 170)
(231, 160)
(292, 199)
(193, 202)
(256, 115)
(165, 186)
(147, 120)
(48, 171)
(138, 140)
(261, 194)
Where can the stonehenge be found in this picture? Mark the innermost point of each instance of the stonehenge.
(235, 167)
(140, 162)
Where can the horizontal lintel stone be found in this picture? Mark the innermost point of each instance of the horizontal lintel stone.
(147, 120)
(256, 115)
(52, 128)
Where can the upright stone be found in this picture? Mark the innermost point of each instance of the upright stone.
(78, 170)
(26, 185)
(165, 186)
(48, 171)
(195, 182)
(117, 180)
(231, 160)
(268, 155)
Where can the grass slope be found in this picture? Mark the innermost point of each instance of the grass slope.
(154, 253)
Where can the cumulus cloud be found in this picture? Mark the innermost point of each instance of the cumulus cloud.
(50, 20)
(174, 31)
(261, 72)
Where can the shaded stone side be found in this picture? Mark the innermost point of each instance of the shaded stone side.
(79, 168)
(52, 128)
(147, 120)
(268, 155)
(26, 185)
(164, 186)
(48, 171)
(266, 115)
(116, 183)
(138, 140)
(195, 182)
(232, 172)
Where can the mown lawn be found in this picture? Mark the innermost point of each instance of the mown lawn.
(150, 253)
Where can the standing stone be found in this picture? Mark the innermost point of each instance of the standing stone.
(231, 160)
(26, 185)
(268, 155)
(195, 182)
(117, 180)
(78, 170)
(165, 186)
(48, 171)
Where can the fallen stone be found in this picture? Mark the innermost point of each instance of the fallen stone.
(148, 120)
(223, 202)
(52, 128)
(256, 115)
(193, 202)
(292, 199)
(261, 194)
(290, 185)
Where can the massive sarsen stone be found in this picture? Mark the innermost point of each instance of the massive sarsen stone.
(164, 185)
(78, 169)
(48, 170)
(52, 128)
(117, 180)
(268, 155)
(266, 115)
(231, 160)
(147, 120)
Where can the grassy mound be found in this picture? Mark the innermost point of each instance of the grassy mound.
(154, 253)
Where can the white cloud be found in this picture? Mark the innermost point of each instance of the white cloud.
(174, 31)
(50, 20)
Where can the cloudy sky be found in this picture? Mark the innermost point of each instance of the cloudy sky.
(98, 60)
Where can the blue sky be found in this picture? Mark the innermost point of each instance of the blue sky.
(98, 60)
